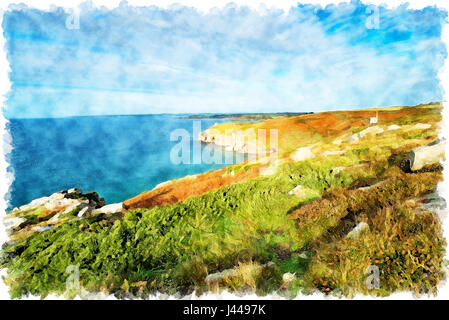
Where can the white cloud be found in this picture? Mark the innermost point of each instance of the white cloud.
(151, 60)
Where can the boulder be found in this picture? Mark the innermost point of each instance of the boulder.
(74, 190)
(371, 130)
(393, 127)
(288, 277)
(378, 184)
(427, 155)
(110, 208)
(299, 191)
(228, 273)
(303, 153)
(83, 211)
(41, 228)
(353, 138)
(354, 233)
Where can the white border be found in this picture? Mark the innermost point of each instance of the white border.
(206, 5)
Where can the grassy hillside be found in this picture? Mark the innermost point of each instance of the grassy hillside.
(298, 131)
(255, 231)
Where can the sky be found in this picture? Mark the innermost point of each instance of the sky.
(143, 60)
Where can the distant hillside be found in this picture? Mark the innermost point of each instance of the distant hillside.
(246, 116)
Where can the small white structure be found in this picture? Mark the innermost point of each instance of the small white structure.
(373, 120)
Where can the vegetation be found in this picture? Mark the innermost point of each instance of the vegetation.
(260, 231)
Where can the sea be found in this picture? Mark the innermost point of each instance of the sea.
(116, 156)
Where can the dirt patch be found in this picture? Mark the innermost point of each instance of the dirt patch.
(181, 189)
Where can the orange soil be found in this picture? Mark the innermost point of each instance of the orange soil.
(181, 189)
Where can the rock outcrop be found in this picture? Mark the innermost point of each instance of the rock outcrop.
(393, 127)
(110, 208)
(359, 228)
(371, 130)
(238, 141)
(46, 212)
(430, 154)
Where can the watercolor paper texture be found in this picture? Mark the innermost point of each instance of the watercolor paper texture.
(266, 151)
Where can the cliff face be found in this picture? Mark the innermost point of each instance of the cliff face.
(249, 141)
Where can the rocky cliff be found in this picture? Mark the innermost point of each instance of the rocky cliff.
(249, 141)
(47, 212)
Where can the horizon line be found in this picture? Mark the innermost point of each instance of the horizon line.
(221, 113)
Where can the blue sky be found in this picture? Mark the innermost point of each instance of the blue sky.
(140, 60)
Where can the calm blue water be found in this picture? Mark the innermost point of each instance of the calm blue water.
(117, 156)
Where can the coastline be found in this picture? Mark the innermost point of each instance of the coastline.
(303, 201)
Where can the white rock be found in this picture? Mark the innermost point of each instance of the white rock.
(353, 138)
(63, 204)
(74, 190)
(302, 153)
(220, 275)
(110, 208)
(288, 277)
(83, 211)
(373, 185)
(371, 130)
(333, 153)
(427, 155)
(34, 204)
(299, 191)
(41, 228)
(56, 196)
(337, 141)
(420, 126)
(13, 222)
(393, 127)
(361, 226)
(304, 255)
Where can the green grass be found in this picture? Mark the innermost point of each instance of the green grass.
(245, 225)
(242, 222)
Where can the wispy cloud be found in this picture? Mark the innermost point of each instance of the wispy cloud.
(153, 60)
